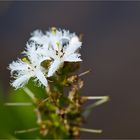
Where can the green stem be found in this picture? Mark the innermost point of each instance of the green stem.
(30, 94)
(18, 104)
(26, 131)
(84, 73)
(101, 100)
(91, 130)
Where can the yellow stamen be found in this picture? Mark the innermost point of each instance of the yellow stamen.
(24, 59)
(53, 30)
(58, 44)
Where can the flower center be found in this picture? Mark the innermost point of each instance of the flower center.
(60, 52)
(53, 30)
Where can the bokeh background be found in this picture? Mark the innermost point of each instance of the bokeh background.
(111, 49)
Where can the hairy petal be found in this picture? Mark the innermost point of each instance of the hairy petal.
(73, 46)
(41, 77)
(18, 66)
(35, 54)
(20, 81)
(39, 37)
(73, 58)
(54, 67)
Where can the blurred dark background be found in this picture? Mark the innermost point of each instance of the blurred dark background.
(111, 49)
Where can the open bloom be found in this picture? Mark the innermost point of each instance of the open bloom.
(58, 46)
(39, 38)
(62, 47)
(23, 70)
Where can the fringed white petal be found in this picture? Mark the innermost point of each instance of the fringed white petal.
(37, 36)
(37, 33)
(18, 66)
(36, 54)
(20, 81)
(73, 58)
(73, 46)
(40, 76)
(54, 67)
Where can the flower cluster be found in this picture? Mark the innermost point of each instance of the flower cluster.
(56, 46)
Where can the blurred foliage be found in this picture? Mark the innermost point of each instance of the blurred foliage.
(13, 118)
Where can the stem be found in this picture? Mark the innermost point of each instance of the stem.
(101, 100)
(91, 130)
(84, 73)
(18, 104)
(26, 131)
(30, 94)
(48, 89)
(38, 114)
(43, 101)
(96, 97)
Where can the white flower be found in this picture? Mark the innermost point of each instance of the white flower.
(59, 46)
(39, 38)
(36, 53)
(23, 70)
(62, 47)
